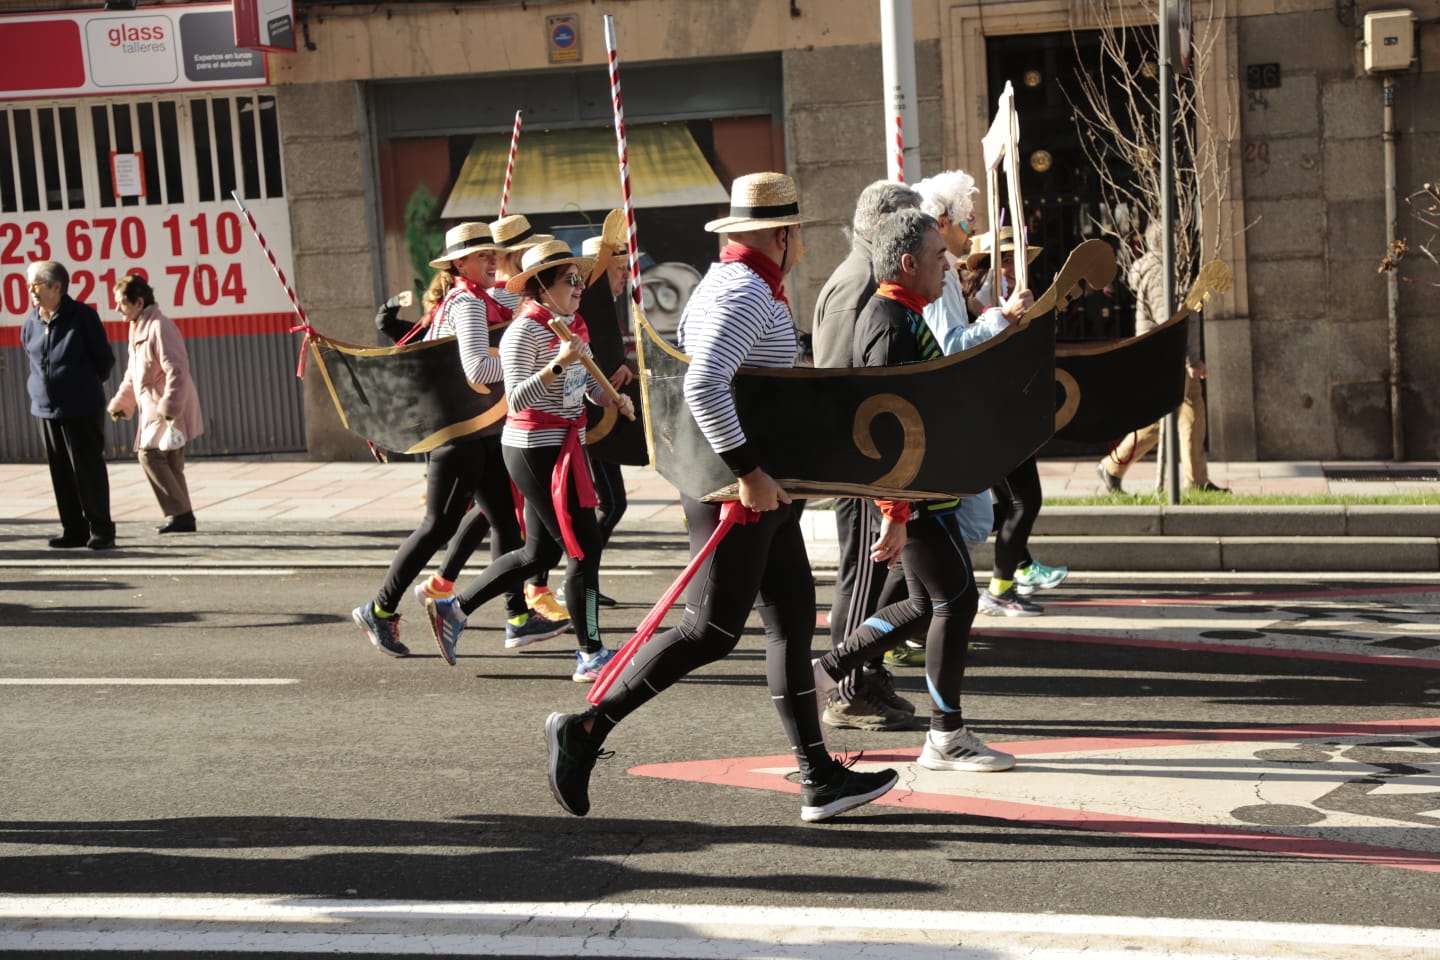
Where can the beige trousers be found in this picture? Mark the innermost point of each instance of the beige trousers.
(165, 469)
(1194, 470)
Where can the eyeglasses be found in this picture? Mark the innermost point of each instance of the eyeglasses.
(574, 279)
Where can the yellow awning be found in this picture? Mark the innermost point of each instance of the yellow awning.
(557, 170)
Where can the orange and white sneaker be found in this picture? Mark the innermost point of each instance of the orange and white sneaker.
(427, 590)
(543, 602)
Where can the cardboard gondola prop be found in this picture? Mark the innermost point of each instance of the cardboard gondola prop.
(888, 432)
(1105, 391)
(411, 398)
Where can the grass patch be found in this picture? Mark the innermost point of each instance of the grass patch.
(1197, 498)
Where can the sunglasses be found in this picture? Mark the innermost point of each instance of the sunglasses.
(574, 279)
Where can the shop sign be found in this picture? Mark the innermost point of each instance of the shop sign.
(65, 54)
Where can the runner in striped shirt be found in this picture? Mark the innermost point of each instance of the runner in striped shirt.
(738, 316)
(543, 443)
(468, 468)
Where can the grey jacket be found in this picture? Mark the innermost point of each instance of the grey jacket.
(842, 298)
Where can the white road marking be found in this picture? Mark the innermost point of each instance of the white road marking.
(259, 925)
(145, 681)
(93, 570)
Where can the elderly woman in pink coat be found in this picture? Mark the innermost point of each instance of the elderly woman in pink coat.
(158, 382)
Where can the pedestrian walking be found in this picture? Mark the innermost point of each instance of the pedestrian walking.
(69, 360)
(866, 698)
(158, 391)
(909, 259)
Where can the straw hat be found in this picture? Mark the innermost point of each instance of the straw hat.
(543, 256)
(980, 248)
(612, 242)
(760, 200)
(514, 233)
(466, 238)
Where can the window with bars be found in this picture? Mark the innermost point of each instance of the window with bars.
(58, 157)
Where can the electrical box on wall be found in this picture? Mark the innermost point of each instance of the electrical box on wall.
(1389, 40)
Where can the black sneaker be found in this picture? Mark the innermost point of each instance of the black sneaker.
(865, 712)
(880, 685)
(572, 756)
(846, 789)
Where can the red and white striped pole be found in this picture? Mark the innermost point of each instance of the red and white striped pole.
(624, 155)
(510, 165)
(304, 325)
(899, 149)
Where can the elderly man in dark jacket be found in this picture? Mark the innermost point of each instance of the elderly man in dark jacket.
(69, 361)
(866, 699)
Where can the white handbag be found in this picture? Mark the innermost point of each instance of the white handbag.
(173, 438)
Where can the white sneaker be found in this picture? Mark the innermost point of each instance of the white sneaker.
(962, 750)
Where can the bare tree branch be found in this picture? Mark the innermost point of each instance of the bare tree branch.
(1118, 109)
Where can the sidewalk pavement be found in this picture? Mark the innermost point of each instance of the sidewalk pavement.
(358, 511)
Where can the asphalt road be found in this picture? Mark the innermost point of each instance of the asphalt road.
(229, 733)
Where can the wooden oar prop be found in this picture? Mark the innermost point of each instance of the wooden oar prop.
(1001, 145)
(1092, 262)
(563, 331)
(1110, 389)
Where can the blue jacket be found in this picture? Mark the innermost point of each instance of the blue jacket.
(69, 361)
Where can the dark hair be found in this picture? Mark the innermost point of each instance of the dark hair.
(132, 288)
(538, 283)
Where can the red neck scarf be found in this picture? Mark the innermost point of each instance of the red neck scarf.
(768, 269)
(496, 313)
(903, 296)
(532, 310)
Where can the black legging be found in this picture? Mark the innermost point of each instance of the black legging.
(942, 602)
(455, 474)
(1017, 504)
(531, 469)
(765, 558)
(502, 525)
(610, 492)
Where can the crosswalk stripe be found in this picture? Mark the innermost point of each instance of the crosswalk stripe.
(80, 924)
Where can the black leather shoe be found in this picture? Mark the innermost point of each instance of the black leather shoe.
(184, 523)
(1209, 487)
(66, 540)
(99, 542)
(1112, 482)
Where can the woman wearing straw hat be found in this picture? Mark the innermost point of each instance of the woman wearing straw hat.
(543, 445)
(513, 235)
(467, 468)
(1018, 496)
(737, 316)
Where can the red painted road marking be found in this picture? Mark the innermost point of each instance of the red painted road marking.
(769, 773)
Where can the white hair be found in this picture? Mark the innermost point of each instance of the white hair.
(950, 194)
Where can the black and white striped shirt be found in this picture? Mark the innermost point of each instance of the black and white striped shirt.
(527, 350)
(463, 316)
(731, 321)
